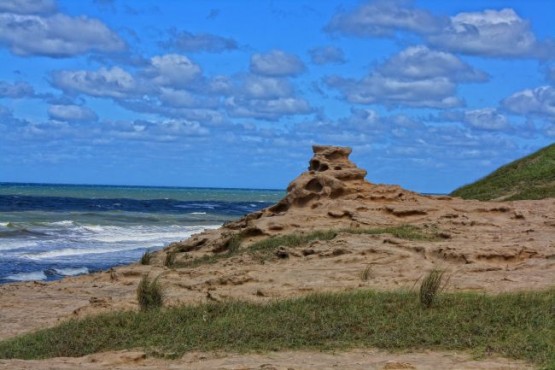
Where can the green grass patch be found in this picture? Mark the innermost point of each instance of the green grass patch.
(517, 325)
(531, 177)
(265, 248)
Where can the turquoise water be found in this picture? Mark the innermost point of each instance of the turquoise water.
(50, 231)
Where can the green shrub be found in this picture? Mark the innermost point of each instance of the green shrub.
(150, 294)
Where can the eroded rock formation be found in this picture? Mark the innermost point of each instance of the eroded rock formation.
(332, 193)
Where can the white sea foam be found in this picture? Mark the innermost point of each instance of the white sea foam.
(25, 276)
(63, 223)
(8, 245)
(69, 252)
(93, 228)
(197, 213)
(72, 271)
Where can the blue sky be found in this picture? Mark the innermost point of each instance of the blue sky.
(431, 95)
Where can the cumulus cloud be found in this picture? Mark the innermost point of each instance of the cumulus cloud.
(416, 77)
(189, 42)
(28, 6)
(71, 113)
(184, 99)
(16, 90)
(172, 70)
(491, 33)
(56, 36)
(113, 82)
(539, 101)
(258, 87)
(272, 109)
(435, 92)
(494, 33)
(160, 131)
(384, 18)
(486, 119)
(174, 86)
(327, 55)
(419, 62)
(276, 63)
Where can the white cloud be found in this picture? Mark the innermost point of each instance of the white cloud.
(272, 109)
(490, 33)
(327, 55)
(172, 70)
(258, 87)
(114, 82)
(419, 62)
(189, 42)
(71, 113)
(56, 36)
(494, 33)
(28, 6)
(276, 63)
(435, 92)
(383, 18)
(416, 77)
(539, 101)
(16, 90)
(184, 99)
(486, 119)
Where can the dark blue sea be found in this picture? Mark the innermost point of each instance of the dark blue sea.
(51, 231)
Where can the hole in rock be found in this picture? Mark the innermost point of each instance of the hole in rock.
(314, 165)
(314, 186)
(280, 207)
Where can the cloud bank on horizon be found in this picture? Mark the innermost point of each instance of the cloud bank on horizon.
(430, 95)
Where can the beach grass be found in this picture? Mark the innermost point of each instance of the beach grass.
(515, 325)
(150, 293)
(430, 287)
(266, 248)
(146, 258)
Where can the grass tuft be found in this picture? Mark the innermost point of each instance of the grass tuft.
(431, 286)
(365, 274)
(150, 294)
(146, 257)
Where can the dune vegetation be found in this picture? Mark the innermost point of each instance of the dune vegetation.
(531, 177)
(515, 325)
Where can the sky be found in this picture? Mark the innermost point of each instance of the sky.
(430, 95)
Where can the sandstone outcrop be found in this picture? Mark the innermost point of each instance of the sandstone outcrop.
(332, 193)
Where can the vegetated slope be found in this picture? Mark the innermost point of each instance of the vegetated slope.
(531, 177)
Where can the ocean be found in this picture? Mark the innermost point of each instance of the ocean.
(51, 231)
